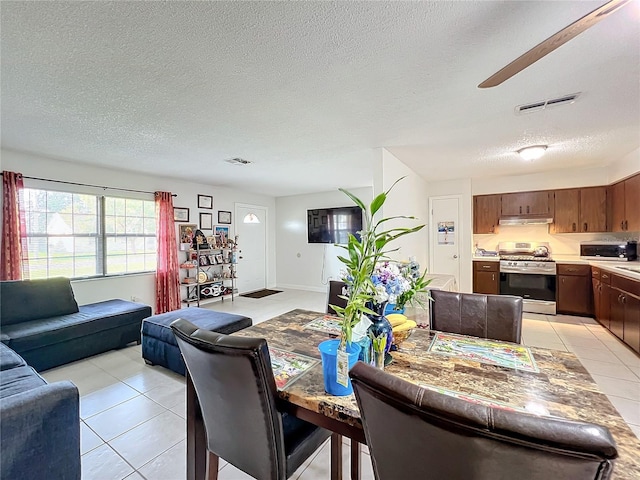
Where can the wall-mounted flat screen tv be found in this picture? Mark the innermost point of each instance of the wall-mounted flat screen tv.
(333, 225)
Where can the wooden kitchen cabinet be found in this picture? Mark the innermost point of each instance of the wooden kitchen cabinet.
(624, 322)
(486, 277)
(632, 204)
(579, 210)
(623, 205)
(574, 294)
(605, 304)
(526, 203)
(601, 296)
(593, 209)
(567, 211)
(632, 322)
(616, 319)
(486, 213)
(616, 193)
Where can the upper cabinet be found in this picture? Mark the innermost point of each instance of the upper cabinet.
(613, 208)
(526, 203)
(580, 210)
(567, 211)
(486, 213)
(624, 205)
(593, 209)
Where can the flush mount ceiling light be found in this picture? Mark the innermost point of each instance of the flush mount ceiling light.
(532, 153)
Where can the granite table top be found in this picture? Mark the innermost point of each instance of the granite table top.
(561, 388)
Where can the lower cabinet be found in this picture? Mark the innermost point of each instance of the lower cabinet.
(486, 277)
(601, 296)
(574, 294)
(624, 322)
(616, 321)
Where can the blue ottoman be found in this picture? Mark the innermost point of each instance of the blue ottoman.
(159, 346)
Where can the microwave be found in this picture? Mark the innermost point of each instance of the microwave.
(625, 251)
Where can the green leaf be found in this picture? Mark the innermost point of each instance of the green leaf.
(394, 183)
(355, 199)
(377, 203)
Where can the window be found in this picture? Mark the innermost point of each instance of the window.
(81, 235)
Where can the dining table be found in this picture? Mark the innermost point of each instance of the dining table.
(550, 382)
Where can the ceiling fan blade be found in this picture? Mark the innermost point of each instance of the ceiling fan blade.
(553, 42)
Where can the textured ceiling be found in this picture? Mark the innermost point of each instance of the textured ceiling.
(307, 90)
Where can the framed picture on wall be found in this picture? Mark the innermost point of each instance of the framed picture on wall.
(180, 214)
(187, 231)
(205, 201)
(224, 217)
(222, 232)
(206, 221)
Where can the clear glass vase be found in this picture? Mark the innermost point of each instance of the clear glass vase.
(378, 359)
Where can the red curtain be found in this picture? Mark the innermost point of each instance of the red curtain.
(167, 271)
(14, 255)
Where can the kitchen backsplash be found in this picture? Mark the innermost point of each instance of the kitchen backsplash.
(561, 244)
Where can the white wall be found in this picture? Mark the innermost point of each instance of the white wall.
(311, 266)
(301, 264)
(625, 167)
(569, 178)
(463, 188)
(139, 286)
(409, 197)
(561, 244)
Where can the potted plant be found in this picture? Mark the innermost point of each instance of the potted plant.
(360, 261)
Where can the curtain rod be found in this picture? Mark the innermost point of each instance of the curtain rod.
(95, 186)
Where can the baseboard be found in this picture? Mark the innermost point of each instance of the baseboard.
(304, 287)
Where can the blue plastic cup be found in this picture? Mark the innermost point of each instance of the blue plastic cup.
(329, 352)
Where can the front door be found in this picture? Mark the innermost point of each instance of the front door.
(444, 236)
(251, 228)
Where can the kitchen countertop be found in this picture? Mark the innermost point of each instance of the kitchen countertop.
(485, 259)
(577, 260)
(605, 265)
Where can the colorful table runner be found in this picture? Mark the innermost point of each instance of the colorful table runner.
(491, 352)
(326, 324)
(289, 366)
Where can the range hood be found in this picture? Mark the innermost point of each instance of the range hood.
(525, 220)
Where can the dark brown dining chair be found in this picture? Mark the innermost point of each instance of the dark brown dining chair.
(336, 288)
(414, 433)
(498, 317)
(236, 390)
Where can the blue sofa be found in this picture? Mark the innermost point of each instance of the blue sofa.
(41, 321)
(40, 423)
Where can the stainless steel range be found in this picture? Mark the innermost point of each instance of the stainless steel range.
(528, 271)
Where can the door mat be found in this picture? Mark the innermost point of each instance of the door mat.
(260, 293)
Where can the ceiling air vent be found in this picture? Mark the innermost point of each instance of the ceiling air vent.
(543, 104)
(238, 161)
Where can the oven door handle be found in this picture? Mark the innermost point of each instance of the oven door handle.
(527, 271)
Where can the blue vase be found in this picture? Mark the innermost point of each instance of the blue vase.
(391, 308)
(329, 353)
(380, 325)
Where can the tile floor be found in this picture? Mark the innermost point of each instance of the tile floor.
(133, 415)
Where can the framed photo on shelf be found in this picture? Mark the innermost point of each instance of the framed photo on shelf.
(205, 201)
(224, 217)
(206, 221)
(180, 214)
(222, 232)
(187, 231)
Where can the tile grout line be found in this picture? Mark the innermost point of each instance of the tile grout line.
(162, 453)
